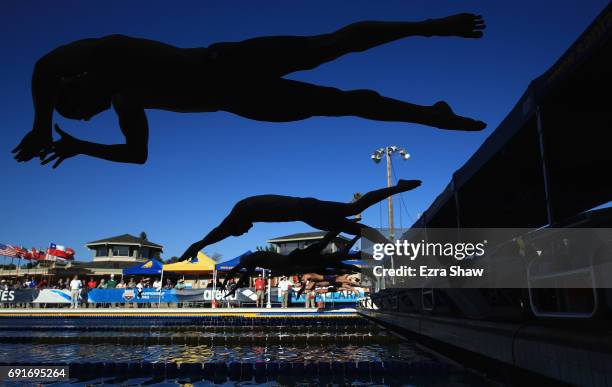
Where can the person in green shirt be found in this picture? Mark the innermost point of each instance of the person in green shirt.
(111, 283)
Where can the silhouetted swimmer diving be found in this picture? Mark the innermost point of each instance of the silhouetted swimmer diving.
(320, 214)
(86, 77)
(279, 264)
(307, 260)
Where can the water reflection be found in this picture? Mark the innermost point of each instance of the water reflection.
(205, 353)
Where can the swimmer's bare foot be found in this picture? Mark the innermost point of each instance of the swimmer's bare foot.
(465, 25)
(408, 184)
(445, 118)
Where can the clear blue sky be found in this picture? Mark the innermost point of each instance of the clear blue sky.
(201, 164)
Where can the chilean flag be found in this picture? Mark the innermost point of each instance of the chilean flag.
(60, 251)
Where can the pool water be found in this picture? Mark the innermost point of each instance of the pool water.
(225, 351)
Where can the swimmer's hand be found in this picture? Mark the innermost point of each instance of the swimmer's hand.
(62, 149)
(231, 292)
(33, 144)
(192, 251)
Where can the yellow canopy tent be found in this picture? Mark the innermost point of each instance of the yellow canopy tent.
(199, 265)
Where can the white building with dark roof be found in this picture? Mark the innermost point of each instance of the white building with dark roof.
(286, 244)
(124, 248)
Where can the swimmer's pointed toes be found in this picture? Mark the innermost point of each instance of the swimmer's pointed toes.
(479, 125)
(467, 125)
(409, 184)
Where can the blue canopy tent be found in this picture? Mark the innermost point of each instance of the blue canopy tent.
(355, 259)
(150, 267)
(229, 265)
(356, 262)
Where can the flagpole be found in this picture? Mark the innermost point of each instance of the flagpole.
(162, 286)
(18, 268)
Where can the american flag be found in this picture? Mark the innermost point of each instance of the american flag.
(8, 250)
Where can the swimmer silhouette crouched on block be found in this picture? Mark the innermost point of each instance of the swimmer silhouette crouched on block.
(86, 77)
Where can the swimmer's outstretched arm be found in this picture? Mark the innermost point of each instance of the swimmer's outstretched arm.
(134, 126)
(46, 78)
(242, 282)
(217, 234)
(233, 272)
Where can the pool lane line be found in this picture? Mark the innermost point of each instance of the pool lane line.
(162, 315)
(295, 340)
(95, 315)
(293, 328)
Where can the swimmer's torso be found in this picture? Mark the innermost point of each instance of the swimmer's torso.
(279, 208)
(269, 208)
(117, 64)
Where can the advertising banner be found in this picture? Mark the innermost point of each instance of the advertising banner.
(335, 297)
(171, 295)
(243, 295)
(53, 296)
(130, 295)
(18, 296)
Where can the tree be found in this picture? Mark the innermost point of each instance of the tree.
(271, 248)
(143, 235)
(172, 259)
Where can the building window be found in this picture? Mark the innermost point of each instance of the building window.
(102, 252)
(121, 251)
(145, 252)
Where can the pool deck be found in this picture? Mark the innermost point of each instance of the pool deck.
(175, 312)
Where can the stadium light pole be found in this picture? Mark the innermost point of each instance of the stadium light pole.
(377, 156)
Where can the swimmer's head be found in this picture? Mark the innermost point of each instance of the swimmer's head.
(82, 97)
(241, 228)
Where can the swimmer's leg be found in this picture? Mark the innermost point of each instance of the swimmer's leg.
(281, 55)
(373, 197)
(364, 231)
(284, 100)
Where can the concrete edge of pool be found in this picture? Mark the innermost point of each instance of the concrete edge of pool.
(176, 312)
